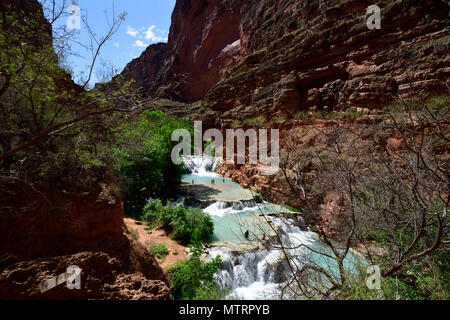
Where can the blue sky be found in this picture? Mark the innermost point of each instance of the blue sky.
(147, 22)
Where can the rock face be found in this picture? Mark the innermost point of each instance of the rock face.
(42, 225)
(39, 239)
(204, 42)
(247, 58)
(143, 70)
(102, 277)
(320, 55)
(240, 60)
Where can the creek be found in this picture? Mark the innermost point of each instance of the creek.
(248, 233)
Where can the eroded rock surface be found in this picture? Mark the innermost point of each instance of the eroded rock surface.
(248, 58)
(102, 277)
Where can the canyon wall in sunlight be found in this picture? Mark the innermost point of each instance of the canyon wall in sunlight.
(249, 58)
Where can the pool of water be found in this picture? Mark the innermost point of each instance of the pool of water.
(214, 187)
(250, 271)
(232, 213)
(231, 223)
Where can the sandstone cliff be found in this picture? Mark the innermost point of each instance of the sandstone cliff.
(143, 70)
(320, 55)
(249, 58)
(66, 215)
(44, 233)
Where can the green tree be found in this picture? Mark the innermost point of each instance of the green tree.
(190, 279)
(144, 147)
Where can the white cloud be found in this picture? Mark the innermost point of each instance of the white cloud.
(132, 32)
(150, 35)
(116, 44)
(140, 44)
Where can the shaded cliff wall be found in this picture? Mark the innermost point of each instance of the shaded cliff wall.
(248, 58)
(68, 215)
(204, 42)
(317, 55)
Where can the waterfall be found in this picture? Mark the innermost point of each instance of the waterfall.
(205, 166)
(253, 265)
(260, 274)
(222, 208)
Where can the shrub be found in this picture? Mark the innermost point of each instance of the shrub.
(235, 124)
(302, 115)
(185, 225)
(420, 285)
(292, 208)
(194, 225)
(159, 250)
(152, 212)
(212, 294)
(189, 280)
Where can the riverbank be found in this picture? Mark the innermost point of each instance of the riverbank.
(148, 238)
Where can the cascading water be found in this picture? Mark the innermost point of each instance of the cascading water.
(222, 208)
(251, 271)
(261, 273)
(204, 166)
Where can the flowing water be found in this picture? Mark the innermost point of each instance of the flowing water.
(242, 225)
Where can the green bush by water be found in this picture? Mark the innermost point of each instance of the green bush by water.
(194, 279)
(185, 225)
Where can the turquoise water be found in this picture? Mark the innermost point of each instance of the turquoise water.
(223, 189)
(187, 178)
(231, 228)
(232, 221)
(250, 272)
(351, 262)
(231, 224)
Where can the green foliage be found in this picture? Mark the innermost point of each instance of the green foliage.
(302, 115)
(144, 148)
(292, 208)
(255, 120)
(283, 117)
(434, 104)
(193, 279)
(152, 213)
(159, 250)
(209, 143)
(211, 293)
(421, 284)
(186, 225)
(236, 124)
(350, 113)
(54, 132)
